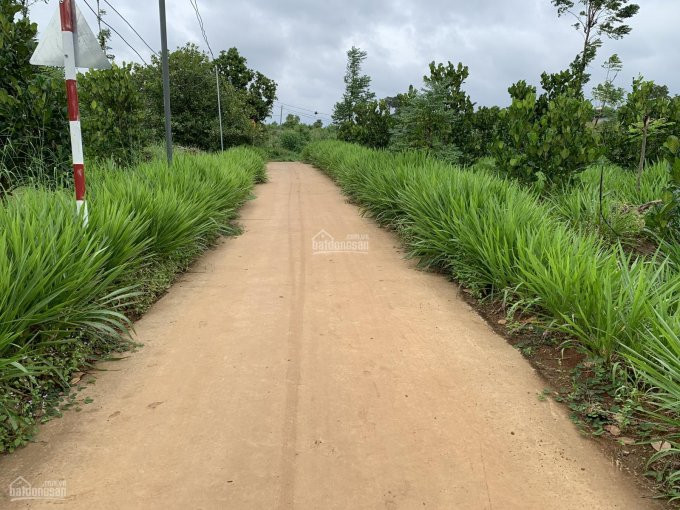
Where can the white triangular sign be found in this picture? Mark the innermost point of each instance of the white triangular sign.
(88, 52)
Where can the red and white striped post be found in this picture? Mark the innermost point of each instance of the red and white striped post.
(67, 15)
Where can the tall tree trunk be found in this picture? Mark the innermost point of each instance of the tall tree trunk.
(587, 29)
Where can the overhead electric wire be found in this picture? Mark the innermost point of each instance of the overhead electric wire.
(115, 31)
(131, 27)
(289, 106)
(194, 4)
(298, 113)
(301, 108)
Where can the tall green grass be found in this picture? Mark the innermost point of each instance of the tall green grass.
(66, 290)
(617, 218)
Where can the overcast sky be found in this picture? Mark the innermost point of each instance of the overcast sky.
(301, 44)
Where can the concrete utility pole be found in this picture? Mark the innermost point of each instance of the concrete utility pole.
(281, 117)
(166, 81)
(219, 106)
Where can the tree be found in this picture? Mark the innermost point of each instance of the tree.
(103, 34)
(595, 18)
(424, 122)
(233, 67)
(291, 121)
(193, 98)
(372, 124)
(357, 91)
(555, 85)
(609, 96)
(261, 96)
(111, 110)
(449, 80)
(645, 114)
(258, 91)
(486, 129)
(552, 147)
(33, 120)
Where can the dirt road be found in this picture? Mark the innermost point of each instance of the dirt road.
(279, 375)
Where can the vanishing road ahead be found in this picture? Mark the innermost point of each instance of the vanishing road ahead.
(277, 376)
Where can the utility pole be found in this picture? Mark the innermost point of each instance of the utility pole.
(166, 81)
(219, 107)
(281, 116)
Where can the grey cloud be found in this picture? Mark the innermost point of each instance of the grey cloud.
(302, 43)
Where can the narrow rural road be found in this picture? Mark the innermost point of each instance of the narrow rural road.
(276, 375)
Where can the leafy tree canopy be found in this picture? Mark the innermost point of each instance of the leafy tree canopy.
(595, 19)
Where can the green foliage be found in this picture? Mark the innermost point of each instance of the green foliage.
(595, 19)
(258, 91)
(371, 126)
(554, 146)
(286, 142)
(423, 122)
(487, 127)
(293, 140)
(357, 94)
(665, 219)
(292, 121)
(111, 112)
(449, 80)
(33, 121)
(645, 115)
(193, 97)
(498, 238)
(606, 94)
(66, 288)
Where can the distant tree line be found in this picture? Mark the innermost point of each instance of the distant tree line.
(550, 135)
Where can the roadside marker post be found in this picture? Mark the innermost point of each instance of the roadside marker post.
(69, 43)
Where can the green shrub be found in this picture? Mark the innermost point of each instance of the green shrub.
(111, 111)
(33, 122)
(292, 140)
(554, 146)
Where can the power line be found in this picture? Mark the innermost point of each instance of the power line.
(308, 115)
(305, 114)
(315, 112)
(194, 4)
(115, 31)
(131, 27)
